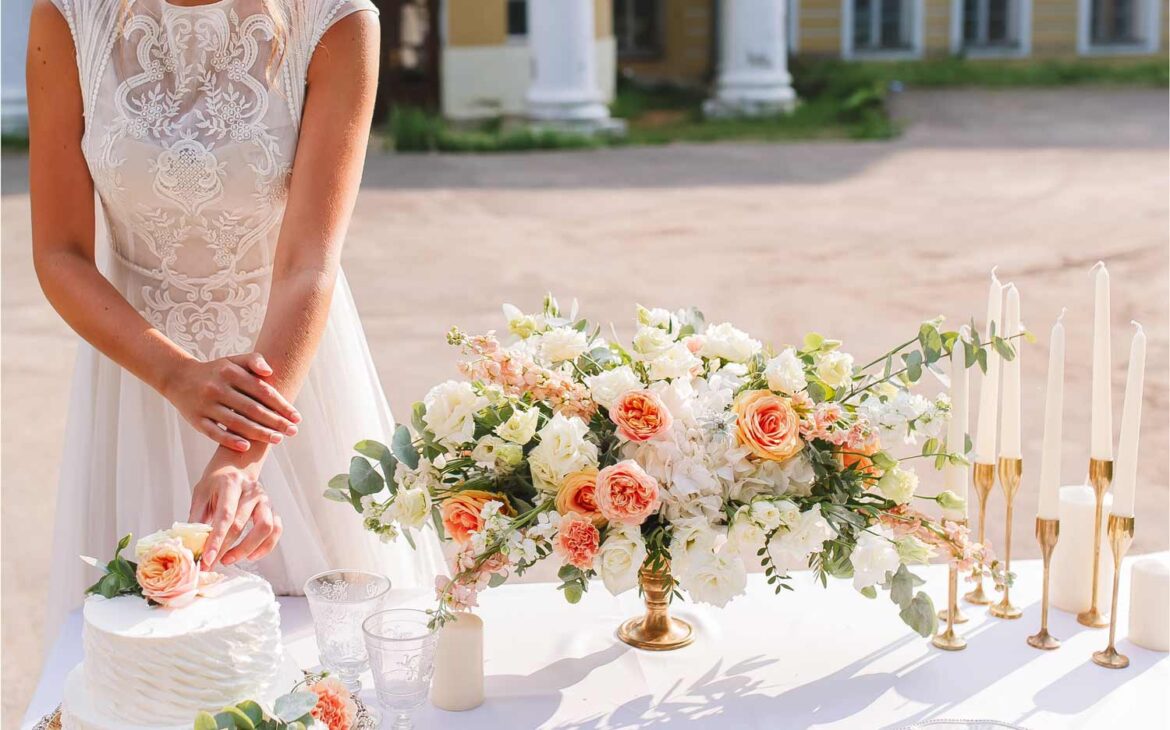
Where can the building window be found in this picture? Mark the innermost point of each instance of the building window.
(517, 18)
(883, 25)
(637, 25)
(990, 23)
(1118, 26)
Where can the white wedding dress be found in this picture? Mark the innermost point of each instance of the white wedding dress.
(191, 123)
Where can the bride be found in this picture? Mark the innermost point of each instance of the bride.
(224, 375)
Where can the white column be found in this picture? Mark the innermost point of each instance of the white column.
(753, 77)
(564, 88)
(13, 100)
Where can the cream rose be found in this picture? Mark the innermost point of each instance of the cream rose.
(835, 368)
(193, 535)
(898, 485)
(621, 557)
(520, 426)
(676, 362)
(605, 388)
(726, 342)
(450, 412)
(715, 578)
(650, 342)
(563, 344)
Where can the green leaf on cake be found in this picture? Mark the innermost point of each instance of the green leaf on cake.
(253, 711)
(205, 721)
(234, 717)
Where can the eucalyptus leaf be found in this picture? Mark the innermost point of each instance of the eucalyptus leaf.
(334, 495)
(230, 717)
(869, 592)
(403, 447)
(920, 615)
(254, 712)
(292, 707)
(363, 479)
(902, 587)
(205, 721)
(573, 592)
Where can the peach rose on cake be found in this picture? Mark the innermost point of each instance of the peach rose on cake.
(577, 541)
(626, 493)
(461, 512)
(640, 415)
(168, 573)
(768, 425)
(335, 708)
(578, 495)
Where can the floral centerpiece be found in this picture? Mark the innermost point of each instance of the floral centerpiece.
(683, 455)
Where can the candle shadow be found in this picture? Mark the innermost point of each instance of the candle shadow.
(1092, 682)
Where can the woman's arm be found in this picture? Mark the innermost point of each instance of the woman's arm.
(327, 170)
(226, 391)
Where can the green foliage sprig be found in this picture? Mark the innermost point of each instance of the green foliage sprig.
(120, 577)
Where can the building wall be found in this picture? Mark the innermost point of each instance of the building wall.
(687, 40)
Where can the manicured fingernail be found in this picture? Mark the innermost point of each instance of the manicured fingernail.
(296, 417)
(291, 430)
(243, 445)
(209, 558)
(276, 438)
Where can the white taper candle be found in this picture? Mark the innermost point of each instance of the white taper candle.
(1101, 443)
(989, 390)
(1125, 470)
(956, 476)
(1009, 435)
(1053, 425)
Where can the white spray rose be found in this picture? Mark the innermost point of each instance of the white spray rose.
(676, 362)
(873, 558)
(835, 368)
(411, 507)
(715, 578)
(650, 342)
(562, 344)
(729, 343)
(495, 452)
(620, 557)
(451, 409)
(766, 514)
(898, 485)
(562, 449)
(785, 372)
(520, 426)
(605, 388)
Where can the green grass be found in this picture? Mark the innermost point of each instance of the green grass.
(958, 72)
(415, 130)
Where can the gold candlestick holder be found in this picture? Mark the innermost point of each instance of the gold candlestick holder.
(1010, 471)
(947, 639)
(1100, 476)
(1047, 533)
(984, 478)
(1120, 538)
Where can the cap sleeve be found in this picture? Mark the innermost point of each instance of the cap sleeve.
(92, 23)
(331, 11)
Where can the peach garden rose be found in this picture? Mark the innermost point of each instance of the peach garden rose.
(640, 415)
(626, 493)
(767, 424)
(169, 574)
(578, 494)
(460, 512)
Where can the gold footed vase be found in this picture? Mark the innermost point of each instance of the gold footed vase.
(656, 630)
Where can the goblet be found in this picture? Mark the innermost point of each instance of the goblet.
(340, 600)
(401, 647)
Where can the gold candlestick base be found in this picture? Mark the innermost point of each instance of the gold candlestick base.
(1120, 538)
(1010, 471)
(960, 617)
(1047, 533)
(947, 639)
(984, 477)
(656, 630)
(1100, 476)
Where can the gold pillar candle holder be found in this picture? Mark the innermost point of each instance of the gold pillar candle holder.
(1100, 476)
(656, 630)
(947, 639)
(984, 478)
(1120, 538)
(1010, 471)
(1047, 533)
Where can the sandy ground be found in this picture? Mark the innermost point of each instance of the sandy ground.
(862, 241)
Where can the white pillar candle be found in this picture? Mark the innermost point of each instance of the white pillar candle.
(1125, 471)
(1053, 425)
(1009, 435)
(1101, 443)
(1072, 559)
(955, 475)
(989, 390)
(458, 678)
(1149, 603)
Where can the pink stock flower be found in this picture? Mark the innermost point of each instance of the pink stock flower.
(456, 595)
(517, 374)
(335, 707)
(577, 541)
(626, 493)
(640, 415)
(168, 574)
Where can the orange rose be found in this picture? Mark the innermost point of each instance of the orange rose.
(640, 415)
(860, 458)
(578, 493)
(460, 512)
(767, 424)
(168, 574)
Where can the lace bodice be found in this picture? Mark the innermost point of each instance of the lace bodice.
(191, 123)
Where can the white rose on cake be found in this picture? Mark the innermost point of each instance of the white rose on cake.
(562, 450)
(605, 388)
(450, 412)
(620, 557)
(785, 373)
(727, 342)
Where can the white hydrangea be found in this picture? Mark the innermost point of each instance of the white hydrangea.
(785, 372)
(873, 558)
(605, 388)
(727, 342)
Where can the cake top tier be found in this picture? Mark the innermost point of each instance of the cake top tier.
(238, 598)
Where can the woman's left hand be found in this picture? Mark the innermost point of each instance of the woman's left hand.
(229, 498)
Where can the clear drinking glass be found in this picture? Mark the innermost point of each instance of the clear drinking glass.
(340, 600)
(402, 655)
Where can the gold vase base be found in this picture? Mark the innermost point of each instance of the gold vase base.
(1093, 618)
(677, 634)
(1005, 610)
(949, 641)
(1043, 640)
(977, 596)
(960, 617)
(1110, 659)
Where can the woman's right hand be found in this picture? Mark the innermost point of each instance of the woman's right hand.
(229, 401)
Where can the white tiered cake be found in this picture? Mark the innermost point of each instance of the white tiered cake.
(152, 667)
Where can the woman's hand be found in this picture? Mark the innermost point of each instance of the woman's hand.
(231, 392)
(228, 499)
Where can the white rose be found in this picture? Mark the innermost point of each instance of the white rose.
(562, 449)
(451, 409)
(715, 578)
(192, 534)
(605, 388)
(620, 557)
(785, 373)
(520, 426)
(898, 485)
(691, 538)
(729, 343)
(873, 558)
(765, 514)
(675, 362)
(791, 548)
(650, 342)
(788, 511)
(148, 542)
(835, 368)
(562, 344)
(493, 451)
(411, 507)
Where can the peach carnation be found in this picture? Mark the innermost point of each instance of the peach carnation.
(169, 574)
(335, 708)
(578, 494)
(577, 541)
(461, 512)
(767, 424)
(626, 493)
(640, 415)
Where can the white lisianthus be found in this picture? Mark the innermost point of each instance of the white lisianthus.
(675, 362)
(620, 557)
(658, 317)
(650, 342)
(520, 324)
(766, 514)
(898, 485)
(451, 409)
(745, 535)
(835, 368)
(562, 449)
(691, 538)
(715, 577)
(606, 387)
(727, 342)
(789, 512)
(520, 426)
(411, 507)
(807, 534)
(563, 343)
(493, 451)
(785, 373)
(913, 550)
(873, 558)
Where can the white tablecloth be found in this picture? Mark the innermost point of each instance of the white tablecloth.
(813, 658)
